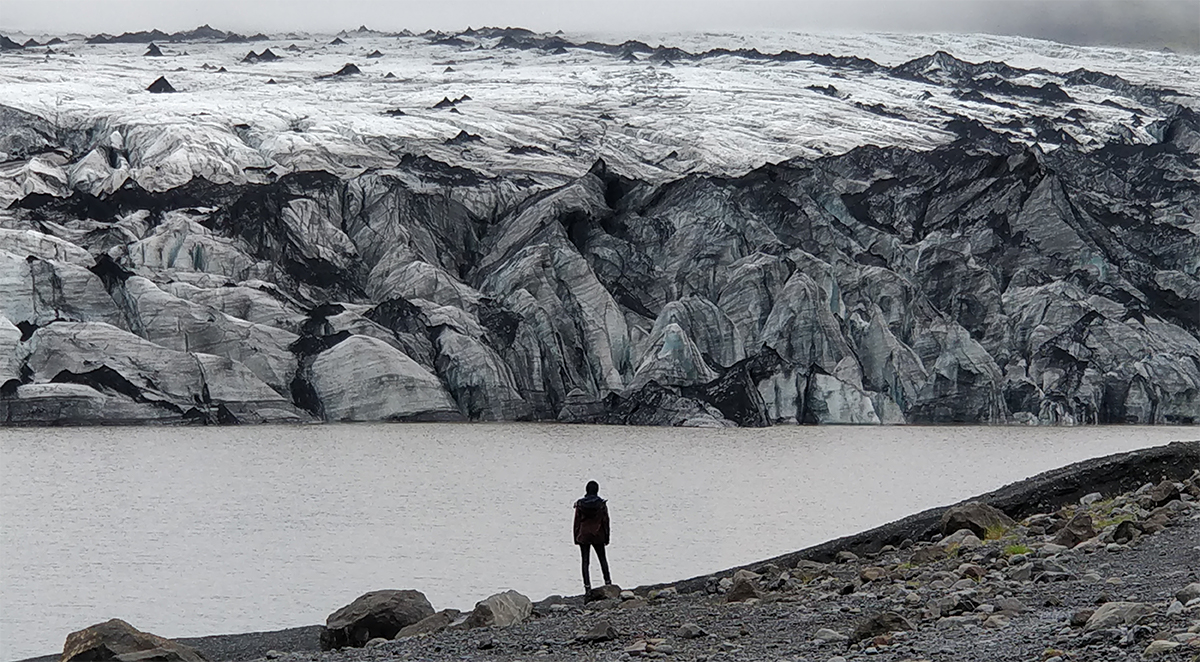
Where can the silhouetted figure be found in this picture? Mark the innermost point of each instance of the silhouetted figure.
(591, 530)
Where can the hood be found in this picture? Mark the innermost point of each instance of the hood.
(590, 502)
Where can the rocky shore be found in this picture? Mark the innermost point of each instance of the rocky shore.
(1095, 562)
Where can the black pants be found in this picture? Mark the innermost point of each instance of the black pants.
(587, 576)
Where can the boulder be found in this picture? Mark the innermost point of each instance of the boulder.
(1112, 614)
(1078, 529)
(499, 610)
(375, 614)
(978, 517)
(430, 624)
(118, 640)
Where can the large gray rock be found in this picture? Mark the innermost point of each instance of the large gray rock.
(375, 614)
(430, 624)
(120, 641)
(499, 610)
(977, 517)
(1078, 529)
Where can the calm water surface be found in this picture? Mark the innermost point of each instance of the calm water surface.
(193, 531)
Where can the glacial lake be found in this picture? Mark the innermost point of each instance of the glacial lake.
(196, 531)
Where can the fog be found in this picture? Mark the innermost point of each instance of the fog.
(1147, 23)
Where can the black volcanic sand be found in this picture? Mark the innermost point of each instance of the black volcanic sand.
(838, 596)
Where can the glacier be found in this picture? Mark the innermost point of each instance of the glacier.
(678, 229)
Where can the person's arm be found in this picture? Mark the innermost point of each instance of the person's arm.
(578, 521)
(604, 523)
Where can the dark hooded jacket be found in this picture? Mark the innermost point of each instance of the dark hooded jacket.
(591, 521)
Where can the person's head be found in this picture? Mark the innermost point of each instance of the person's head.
(593, 487)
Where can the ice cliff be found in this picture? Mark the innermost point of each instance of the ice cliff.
(501, 225)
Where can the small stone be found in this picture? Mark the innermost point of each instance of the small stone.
(636, 648)
(996, 621)
(827, 635)
(1112, 614)
(836, 658)
(1164, 492)
(377, 641)
(845, 556)
(273, 654)
(601, 631)
(743, 588)
(1175, 608)
(628, 595)
(1188, 593)
(871, 573)
(1089, 499)
(961, 539)
(1159, 647)
(690, 631)
(888, 621)
(971, 571)
(1011, 605)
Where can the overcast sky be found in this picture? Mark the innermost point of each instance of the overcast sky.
(1152, 23)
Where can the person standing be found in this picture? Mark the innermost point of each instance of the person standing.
(591, 531)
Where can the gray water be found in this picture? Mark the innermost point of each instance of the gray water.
(194, 531)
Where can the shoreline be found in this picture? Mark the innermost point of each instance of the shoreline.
(1050, 490)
